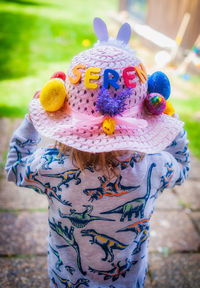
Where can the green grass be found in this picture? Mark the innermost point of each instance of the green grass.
(188, 109)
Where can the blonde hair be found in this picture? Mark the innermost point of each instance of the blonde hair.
(107, 162)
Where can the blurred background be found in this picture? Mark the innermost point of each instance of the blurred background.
(39, 37)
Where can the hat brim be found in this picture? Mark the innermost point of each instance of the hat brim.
(159, 133)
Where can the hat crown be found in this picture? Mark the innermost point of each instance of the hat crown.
(83, 99)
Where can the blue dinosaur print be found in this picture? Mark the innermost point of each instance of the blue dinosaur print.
(68, 236)
(54, 282)
(128, 209)
(165, 180)
(107, 243)
(70, 269)
(144, 237)
(131, 160)
(66, 177)
(51, 192)
(136, 227)
(51, 155)
(80, 220)
(59, 261)
(110, 189)
(69, 284)
(28, 142)
(183, 153)
(18, 162)
(116, 271)
(128, 162)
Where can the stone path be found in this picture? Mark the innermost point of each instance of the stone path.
(174, 259)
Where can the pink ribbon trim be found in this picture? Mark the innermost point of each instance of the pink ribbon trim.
(83, 121)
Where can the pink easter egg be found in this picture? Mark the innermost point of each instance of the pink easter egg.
(155, 103)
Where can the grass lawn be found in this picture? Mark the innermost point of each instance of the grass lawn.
(188, 108)
(39, 37)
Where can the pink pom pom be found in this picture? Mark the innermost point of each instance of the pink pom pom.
(60, 75)
(155, 103)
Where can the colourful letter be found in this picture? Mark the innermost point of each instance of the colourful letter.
(77, 73)
(129, 76)
(142, 74)
(89, 76)
(111, 81)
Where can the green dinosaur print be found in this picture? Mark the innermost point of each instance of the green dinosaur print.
(128, 209)
(116, 271)
(69, 284)
(80, 220)
(50, 156)
(68, 236)
(108, 244)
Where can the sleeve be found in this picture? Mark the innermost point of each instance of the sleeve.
(24, 159)
(173, 163)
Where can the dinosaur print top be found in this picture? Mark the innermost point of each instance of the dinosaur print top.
(98, 229)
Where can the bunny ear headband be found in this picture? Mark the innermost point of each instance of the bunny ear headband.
(105, 101)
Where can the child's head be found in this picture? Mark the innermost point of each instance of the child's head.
(105, 103)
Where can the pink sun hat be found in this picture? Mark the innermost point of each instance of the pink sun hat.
(104, 108)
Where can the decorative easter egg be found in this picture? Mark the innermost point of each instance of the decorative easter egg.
(158, 82)
(108, 126)
(155, 103)
(169, 110)
(60, 75)
(53, 95)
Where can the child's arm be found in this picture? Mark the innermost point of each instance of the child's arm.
(173, 163)
(23, 161)
(179, 150)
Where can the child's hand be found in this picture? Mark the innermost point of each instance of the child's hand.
(36, 95)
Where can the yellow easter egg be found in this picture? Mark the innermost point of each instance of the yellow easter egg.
(53, 95)
(169, 110)
(109, 126)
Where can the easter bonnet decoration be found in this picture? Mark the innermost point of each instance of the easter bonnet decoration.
(105, 101)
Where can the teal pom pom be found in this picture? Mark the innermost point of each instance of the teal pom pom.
(158, 82)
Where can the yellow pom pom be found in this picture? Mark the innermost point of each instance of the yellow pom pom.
(169, 110)
(53, 95)
(109, 126)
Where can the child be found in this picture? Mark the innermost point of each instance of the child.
(116, 150)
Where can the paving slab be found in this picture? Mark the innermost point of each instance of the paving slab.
(194, 173)
(173, 231)
(189, 194)
(24, 273)
(147, 283)
(7, 126)
(23, 233)
(176, 270)
(14, 197)
(195, 217)
(167, 201)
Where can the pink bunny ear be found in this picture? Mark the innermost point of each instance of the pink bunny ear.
(124, 33)
(100, 29)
